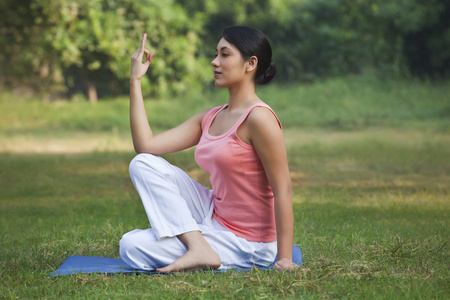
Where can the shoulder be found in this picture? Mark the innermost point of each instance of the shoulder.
(262, 117)
(264, 126)
(265, 132)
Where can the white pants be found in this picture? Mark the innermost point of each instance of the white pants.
(176, 204)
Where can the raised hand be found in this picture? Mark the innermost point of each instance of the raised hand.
(139, 68)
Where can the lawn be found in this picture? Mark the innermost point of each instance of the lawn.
(370, 166)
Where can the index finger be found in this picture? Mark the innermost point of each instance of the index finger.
(144, 39)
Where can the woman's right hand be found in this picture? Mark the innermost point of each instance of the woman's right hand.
(139, 68)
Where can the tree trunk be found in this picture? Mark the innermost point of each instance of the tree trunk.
(90, 90)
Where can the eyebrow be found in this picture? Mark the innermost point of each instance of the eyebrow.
(224, 48)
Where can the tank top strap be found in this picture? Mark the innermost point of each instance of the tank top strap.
(211, 115)
(248, 111)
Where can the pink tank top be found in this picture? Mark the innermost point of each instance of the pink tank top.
(244, 201)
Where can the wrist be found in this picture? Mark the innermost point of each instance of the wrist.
(285, 252)
(135, 81)
(285, 257)
(288, 257)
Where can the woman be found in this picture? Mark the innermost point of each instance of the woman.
(247, 218)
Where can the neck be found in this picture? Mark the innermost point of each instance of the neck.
(242, 96)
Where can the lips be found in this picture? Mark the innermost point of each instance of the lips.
(216, 73)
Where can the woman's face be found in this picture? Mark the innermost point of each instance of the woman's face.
(229, 66)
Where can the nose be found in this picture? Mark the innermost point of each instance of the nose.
(214, 62)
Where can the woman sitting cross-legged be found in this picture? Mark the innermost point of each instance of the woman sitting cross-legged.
(247, 218)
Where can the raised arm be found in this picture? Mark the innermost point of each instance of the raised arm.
(181, 137)
(268, 141)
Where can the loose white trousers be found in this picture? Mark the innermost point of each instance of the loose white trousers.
(175, 204)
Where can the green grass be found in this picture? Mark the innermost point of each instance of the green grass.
(371, 198)
(343, 104)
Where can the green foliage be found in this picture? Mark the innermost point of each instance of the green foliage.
(75, 43)
(70, 46)
(318, 39)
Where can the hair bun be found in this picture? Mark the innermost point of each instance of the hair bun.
(268, 75)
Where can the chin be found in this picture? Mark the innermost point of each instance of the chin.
(219, 85)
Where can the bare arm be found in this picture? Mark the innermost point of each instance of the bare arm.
(181, 137)
(268, 141)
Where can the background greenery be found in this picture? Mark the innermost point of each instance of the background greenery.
(66, 48)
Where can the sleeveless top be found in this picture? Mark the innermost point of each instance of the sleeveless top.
(244, 201)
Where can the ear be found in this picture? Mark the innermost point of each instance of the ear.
(252, 64)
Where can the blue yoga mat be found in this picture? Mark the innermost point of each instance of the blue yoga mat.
(106, 265)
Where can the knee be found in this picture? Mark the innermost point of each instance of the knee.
(125, 245)
(127, 249)
(141, 160)
(150, 165)
(135, 249)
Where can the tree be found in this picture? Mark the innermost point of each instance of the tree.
(61, 47)
(88, 44)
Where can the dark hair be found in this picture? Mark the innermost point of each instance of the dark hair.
(252, 42)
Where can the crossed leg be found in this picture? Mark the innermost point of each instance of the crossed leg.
(175, 205)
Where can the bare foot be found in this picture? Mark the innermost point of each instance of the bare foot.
(192, 261)
(200, 255)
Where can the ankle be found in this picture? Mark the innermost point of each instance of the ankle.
(193, 239)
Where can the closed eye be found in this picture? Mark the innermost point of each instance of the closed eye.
(223, 55)
(223, 51)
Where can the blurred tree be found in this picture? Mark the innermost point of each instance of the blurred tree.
(314, 39)
(21, 53)
(88, 43)
(64, 46)
(426, 45)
